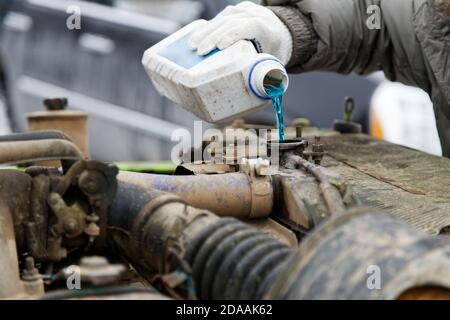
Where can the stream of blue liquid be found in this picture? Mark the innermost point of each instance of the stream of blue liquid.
(275, 93)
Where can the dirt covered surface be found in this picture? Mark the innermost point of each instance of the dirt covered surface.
(409, 184)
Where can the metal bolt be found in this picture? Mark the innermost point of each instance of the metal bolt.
(349, 108)
(88, 182)
(29, 263)
(318, 151)
(298, 132)
(30, 273)
(301, 122)
(71, 226)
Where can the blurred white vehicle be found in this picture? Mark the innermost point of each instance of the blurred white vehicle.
(404, 115)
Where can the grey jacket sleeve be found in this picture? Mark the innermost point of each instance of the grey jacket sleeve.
(341, 36)
(411, 45)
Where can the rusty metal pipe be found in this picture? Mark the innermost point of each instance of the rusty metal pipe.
(231, 195)
(35, 135)
(143, 221)
(16, 152)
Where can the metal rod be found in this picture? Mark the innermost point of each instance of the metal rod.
(15, 152)
(35, 135)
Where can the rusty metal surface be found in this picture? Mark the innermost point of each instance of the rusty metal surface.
(162, 235)
(328, 187)
(226, 194)
(409, 184)
(10, 284)
(154, 223)
(275, 230)
(205, 168)
(302, 203)
(37, 224)
(16, 152)
(79, 201)
(144, 223)
(261, 186)
(15, 188)
(54, 212)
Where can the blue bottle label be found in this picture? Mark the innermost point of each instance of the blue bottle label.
(180, 53)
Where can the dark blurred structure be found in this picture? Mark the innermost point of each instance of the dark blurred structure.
(98, 68)
(319, 96)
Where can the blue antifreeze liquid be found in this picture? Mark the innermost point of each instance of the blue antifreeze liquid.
(275, 93)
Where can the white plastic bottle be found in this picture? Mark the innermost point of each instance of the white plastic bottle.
(216, 87)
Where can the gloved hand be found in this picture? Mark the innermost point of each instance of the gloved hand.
(245, 21)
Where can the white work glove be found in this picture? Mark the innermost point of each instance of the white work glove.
(245, 21)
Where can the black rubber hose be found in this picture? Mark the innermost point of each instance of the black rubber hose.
(228, 265)
(245, 266)
(208, 249)
(235, 257)
(260, 272)
(266, 284)
(216, 259)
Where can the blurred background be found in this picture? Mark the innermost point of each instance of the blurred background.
(98, 68)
